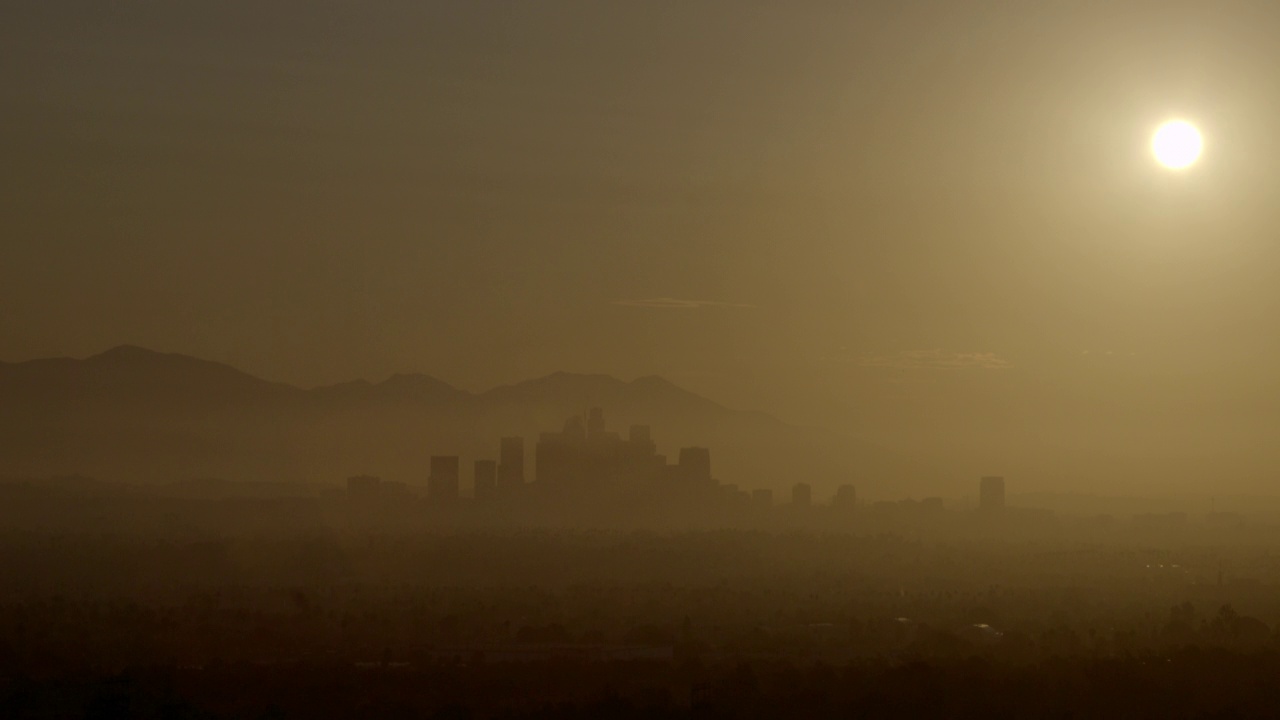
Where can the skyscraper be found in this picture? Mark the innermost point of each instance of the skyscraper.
(695, 464)
(846, 498)
(486, 480)
(595, 423)
(801, 495)
(640, 434)
(762, 499)
(991, 493)
(364, 487)
(442, 484)
(511, 465)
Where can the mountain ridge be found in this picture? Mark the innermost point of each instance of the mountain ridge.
(133, 413)
(138, 354)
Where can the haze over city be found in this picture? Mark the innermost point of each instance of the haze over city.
(939, 228)
(711, 357)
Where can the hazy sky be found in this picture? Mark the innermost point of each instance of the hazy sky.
(892, 216)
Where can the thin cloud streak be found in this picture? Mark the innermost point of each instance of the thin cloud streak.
(674, 304)
(936, 360)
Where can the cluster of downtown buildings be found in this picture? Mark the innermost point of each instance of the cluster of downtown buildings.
(582, 461)
(587, 462)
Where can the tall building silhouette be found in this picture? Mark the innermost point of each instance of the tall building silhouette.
(442, 484)
(589, 459)
(511, 465)
(991, 493)
(364, 487)
(486, 480)
(579, 456)
(559, 457)
(846, 498)
(801, 495)
(695, 465)
(640, 436)
(595, 423)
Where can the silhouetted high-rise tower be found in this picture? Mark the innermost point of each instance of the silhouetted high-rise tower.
(511, 465)
(695, 464)
(801, 495)
(991, 493)
(442, 484)
(595, 423)
(486, 480)
(762, 499)
(364, 487)
(846, 498)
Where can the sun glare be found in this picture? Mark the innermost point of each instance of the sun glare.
(1177, 144)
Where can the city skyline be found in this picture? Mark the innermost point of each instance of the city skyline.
(563, 359)
(918, 467)
(585, 464)
(870, 218)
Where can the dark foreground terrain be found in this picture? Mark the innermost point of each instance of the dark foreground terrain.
(1188, 683)
(204, 609)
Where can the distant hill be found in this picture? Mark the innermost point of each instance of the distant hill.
(132, 414)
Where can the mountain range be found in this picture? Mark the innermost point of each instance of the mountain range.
(132, 414)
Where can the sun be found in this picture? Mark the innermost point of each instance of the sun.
(1177, 144)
